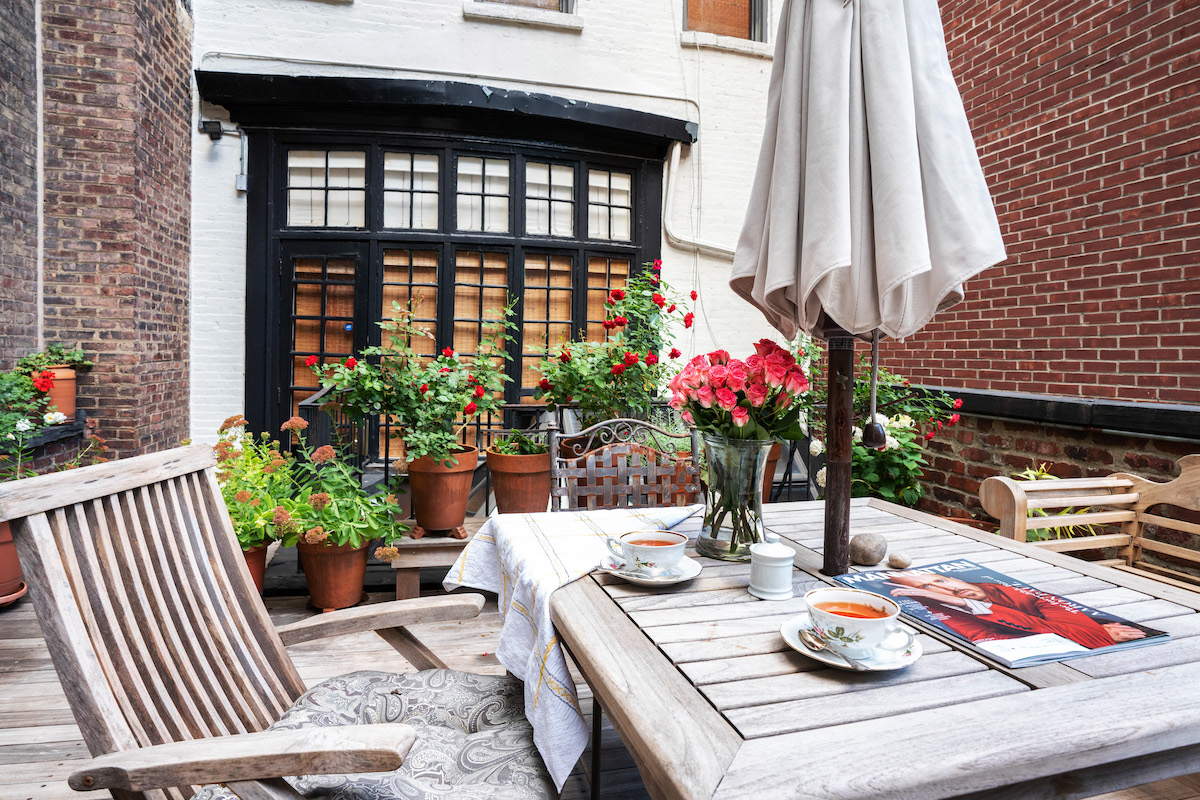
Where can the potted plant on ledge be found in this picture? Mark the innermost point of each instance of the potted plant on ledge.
(55, 367)
(520, 470)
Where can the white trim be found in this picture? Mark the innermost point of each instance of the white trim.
(40, 149)
(728, 44)
(521, 15)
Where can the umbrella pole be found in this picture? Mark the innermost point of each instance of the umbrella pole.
(839, 414)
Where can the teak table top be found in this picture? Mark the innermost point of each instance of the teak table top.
(713, 704)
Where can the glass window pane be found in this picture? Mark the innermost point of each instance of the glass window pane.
(621, 183)
(470, 212)
(397, 209)
(346, 209)
(597, 186)
(620, 224)
(496, 216)
(306, 168)
(563, 219)
(537, 179)
(562, 180)
(348, 169)
(425, 211)
(496, 176)
(306, 207)
(397, 171)
(598, 222)
(425, 172)
(537, 217)
(470, 175)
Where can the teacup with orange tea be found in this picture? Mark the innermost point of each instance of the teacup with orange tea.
(654, 553)
(859, 624)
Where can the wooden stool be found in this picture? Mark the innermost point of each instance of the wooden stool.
(428, 551)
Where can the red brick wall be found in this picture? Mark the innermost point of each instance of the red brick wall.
(118, 133)
(18, 182)
(1087, 118)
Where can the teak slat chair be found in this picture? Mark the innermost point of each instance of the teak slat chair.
(174, 670)
(622, 463)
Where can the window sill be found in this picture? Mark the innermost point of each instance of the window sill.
(727, 44)
(519, 15)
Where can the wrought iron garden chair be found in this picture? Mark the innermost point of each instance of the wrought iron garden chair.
(623, 463)
(177, 677)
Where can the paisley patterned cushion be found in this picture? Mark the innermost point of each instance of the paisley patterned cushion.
(473, 741)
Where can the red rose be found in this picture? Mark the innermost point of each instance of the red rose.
(954, 419)
(608, 324)
(544, 385)
(654, 279)
(631, 358)
(351, 362)
(621, 321)
(470, 378)
(424, 388)
(658, 300)
(929, 436)
(651, 359)
(957, 403)
(658, 263)
(445, 369)
(675, 352)
(671, 309)
(694, 295)
(448, 352)
(688, 318)
(479, 391)
(308, 362)
(565, 357)
(617, 294)
(617, 369)
(470, 408)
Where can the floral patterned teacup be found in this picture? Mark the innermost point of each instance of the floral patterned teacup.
(859, 624)
(652, 553)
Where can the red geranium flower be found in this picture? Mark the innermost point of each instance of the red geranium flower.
(675, 352)
(470, 408)
(351, 362)
(308, 362)
(617, 369)
(44, 382)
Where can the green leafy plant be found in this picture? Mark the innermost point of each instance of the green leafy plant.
(518, 444)
(331, 506)
(54, 355)
(623, 375)
(1042, 473)
(255, 475)
(430, 400)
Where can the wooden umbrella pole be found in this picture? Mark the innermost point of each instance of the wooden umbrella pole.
(839, 414)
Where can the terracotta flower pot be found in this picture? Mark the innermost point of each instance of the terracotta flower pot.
(11, 585)
(335, 574)
(521, 483)
(256, 560)
(440, 493)
(769, 472)
(62, 394)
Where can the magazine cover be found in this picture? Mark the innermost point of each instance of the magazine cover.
(1000, 616)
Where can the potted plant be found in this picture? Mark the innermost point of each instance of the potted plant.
(61, 363)
(519, 466)
(431, 401)
(331, 521)
(741, 408)
(254, 476)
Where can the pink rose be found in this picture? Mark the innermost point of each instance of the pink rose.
(764, 347)
(741, 416)
(755, 365)
(717, 375)
(776, 374)
(757, 392)
(726, 399)
(705, 396)
(783, 400)
(698, 361)
(687, 417)
(691, 377)
(718, 357)
(677, 401)
(796, 382)
(737, 377)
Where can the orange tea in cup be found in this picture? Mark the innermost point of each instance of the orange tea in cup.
(855, 610)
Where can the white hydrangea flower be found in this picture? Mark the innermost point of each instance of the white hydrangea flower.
(891, 443)
(881, 419)
(54, 418)
(816, 447)
(24, 425)
(856, 433)
(901, 421)
(820, 477)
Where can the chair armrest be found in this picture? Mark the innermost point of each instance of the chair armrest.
(378, 616)
(250, 756)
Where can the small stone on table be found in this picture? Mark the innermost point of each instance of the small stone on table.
(899, 561)
(867, 549)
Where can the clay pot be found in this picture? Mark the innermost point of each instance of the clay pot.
(335, 574)
(256, 560)
(440, 493)
(521, 483)
(11, 585)
(62, 394)
(769, 472)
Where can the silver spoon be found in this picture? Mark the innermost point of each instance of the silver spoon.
(815, 642)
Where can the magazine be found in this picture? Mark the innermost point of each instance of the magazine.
(1001, 617)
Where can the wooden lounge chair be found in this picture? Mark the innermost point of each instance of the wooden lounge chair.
(177, 677)
(1140, 510)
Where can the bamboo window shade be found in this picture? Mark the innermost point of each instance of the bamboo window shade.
(546, 320)
(409, 277)
(722, 17)
(604, 274)
(322, 317)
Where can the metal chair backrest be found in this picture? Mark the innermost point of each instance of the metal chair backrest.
(148, 609)
(623, 463)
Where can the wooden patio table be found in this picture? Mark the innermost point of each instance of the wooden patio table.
(712, 703)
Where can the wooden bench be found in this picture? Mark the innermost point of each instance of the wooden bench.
(1124, 503)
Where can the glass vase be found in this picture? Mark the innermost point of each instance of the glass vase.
(733, 497)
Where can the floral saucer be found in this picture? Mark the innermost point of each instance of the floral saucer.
(790, 629)
(688, 569)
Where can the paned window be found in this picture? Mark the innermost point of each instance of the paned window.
(549, 199)
(547, 304)
(742, 19)
(483, 192)
(610, 201)
(326, 189)
(410, 191)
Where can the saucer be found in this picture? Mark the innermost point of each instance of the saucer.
(688, 569)
(789, 631)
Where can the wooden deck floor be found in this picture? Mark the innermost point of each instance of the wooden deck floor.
(40, 744)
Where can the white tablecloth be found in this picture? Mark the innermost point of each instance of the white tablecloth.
(523, 558)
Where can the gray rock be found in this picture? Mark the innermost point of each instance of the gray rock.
(899, 561)
(867, 549)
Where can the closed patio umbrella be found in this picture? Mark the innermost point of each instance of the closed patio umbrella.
(869, 208)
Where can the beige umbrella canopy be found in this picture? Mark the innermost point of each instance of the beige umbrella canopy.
(869, 208)
(869, 205)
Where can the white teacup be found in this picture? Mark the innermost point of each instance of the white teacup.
(835, 618)
(650, 552)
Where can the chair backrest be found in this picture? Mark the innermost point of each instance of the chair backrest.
(150, 614)
(623, 463)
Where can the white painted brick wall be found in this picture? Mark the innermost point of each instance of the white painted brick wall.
(629, 53)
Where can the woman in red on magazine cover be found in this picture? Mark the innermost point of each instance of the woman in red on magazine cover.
(983, 612)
